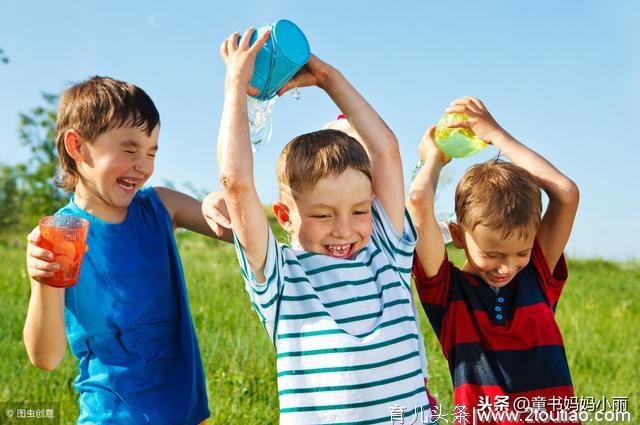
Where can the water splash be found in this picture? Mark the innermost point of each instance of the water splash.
(260, 124)
(443, 220)
(417, 169)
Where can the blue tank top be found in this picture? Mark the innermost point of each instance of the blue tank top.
(129, 324)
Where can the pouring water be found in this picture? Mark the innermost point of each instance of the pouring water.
(260, 124)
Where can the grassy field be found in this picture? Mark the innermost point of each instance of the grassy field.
(598, 314)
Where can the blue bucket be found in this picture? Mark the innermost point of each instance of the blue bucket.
(286, 51)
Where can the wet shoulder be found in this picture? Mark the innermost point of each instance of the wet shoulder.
(150, 205)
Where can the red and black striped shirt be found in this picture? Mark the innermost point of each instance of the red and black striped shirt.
(505, 343)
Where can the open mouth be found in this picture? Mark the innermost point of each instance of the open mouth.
(127, 184)
(340, 251)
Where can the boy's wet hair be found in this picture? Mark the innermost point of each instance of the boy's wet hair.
(501, 196)
(313, 156)
(95, 106)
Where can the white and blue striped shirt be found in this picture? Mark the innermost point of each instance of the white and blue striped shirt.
(349, 346)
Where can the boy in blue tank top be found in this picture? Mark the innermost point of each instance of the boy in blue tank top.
(127, 319)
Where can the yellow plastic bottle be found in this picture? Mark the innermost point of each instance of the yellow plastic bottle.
(457, 142)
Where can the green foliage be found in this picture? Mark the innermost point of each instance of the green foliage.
(10, 196)
(27, 190)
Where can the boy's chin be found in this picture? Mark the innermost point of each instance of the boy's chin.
(124, 199)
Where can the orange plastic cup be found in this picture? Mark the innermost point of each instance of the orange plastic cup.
(66, 237)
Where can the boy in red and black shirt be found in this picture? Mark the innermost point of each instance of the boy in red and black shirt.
(495, 317)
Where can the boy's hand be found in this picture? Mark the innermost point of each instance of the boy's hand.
(428, 150)
(313, 73)
(214, 210)
(39, 261)
(240, 59)
(480, 120)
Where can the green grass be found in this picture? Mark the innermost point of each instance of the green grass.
(598, 315)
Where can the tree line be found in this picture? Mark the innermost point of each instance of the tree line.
(27, 190)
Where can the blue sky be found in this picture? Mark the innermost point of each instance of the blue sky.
(562, 77)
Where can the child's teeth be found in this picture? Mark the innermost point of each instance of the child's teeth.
(339, 250)
(126, 183)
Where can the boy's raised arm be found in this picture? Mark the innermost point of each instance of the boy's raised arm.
(187, 212)
(563, 193)
(430, 247)
(378, 140)
(235, 158)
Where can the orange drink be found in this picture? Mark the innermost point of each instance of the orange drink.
(65, 236)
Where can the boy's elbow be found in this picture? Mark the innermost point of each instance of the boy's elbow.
(420, 200)
(232, 183)
(45, 357)
(391, 151)
(47, 366)
(384, 152)
(46, 363)
(570, 194)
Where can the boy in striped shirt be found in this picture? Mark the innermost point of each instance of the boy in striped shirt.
(495, 317)
(337, 303)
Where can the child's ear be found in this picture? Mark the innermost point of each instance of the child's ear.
(457, 235)
(73, 144)
(281, 212)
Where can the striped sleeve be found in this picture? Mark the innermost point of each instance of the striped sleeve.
(551, 282)
(421, 343)
(433, 290)
(264, 296)
(398, 248)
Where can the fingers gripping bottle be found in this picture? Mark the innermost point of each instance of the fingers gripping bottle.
(457, 142)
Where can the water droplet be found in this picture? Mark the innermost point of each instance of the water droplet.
(295, 93)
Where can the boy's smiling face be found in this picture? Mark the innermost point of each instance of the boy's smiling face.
(495, 259)
(334, 218)
(114, 167)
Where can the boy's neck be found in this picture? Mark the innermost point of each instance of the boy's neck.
(467, 268)
(95, 205)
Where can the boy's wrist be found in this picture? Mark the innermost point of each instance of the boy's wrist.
(434, 160)
(42, 290)
(327, 77)
(235, 93)
(235, 83)
(499, 136)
